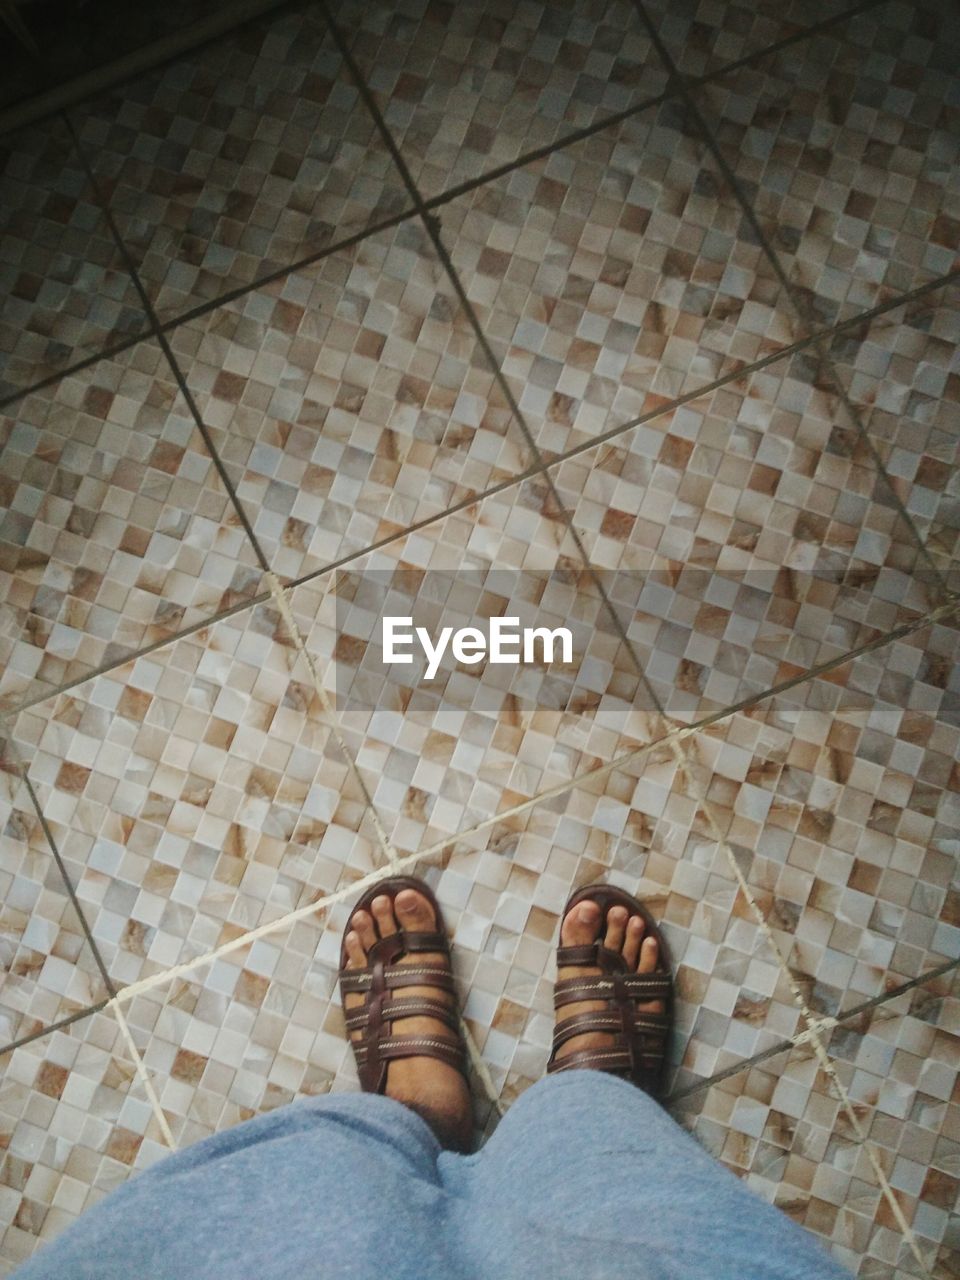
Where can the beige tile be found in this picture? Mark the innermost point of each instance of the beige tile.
(117, 531)
(846, 145)
(237, 159)
(702, 37)
(841, 799)
(466, 89)
(66, 291)
(901, 371)
(614, 275)
(76, 1123)
(443, 753)
(779, 1126)
(746, 536)
(196, 793)
(47, 968)
(350, 400)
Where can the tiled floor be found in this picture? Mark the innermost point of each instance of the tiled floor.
(607, 313)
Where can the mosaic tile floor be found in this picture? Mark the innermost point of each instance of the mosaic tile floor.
(639, 317)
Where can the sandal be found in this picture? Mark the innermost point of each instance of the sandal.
(381, 977)
(638, 1053)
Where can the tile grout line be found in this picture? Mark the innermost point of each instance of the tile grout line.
(756, 366)
(437, 201)
(393, 860)
(805, 314)
(470, 500)
(432, 224)
(144, 1075)
(824, 1022)
(77, 1016)
(404, 861)
(618, 117)
(679, 749)
(813, 1024)
(108, 983)
(279, 597)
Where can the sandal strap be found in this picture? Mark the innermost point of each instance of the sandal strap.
(411, 1007)
(390, 1048)
(640, 1025)
(360, 981)
(632, 986)
(583, 1023)
(412, 940)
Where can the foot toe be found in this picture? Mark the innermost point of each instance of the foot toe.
(362, 924)
(616, 928)
(631, 945)
(581, 925)
(414, 911)
(356, 956)
(382, 908)
(649, 954)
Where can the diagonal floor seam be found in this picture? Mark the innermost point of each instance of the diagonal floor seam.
(437, 201)
(813, 1024)
(825, 1023)
(279, 598)
(794, 295)
(432, 224)
(502, 486)
(111, 1002)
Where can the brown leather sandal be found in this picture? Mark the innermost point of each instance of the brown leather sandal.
(377, 1046)
(638, 1053)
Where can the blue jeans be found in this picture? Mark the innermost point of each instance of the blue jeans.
(585, 1178)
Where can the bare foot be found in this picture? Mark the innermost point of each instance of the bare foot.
(435, 1090)
(624, 933)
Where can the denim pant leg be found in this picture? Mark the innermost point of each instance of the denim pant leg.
(587, 1177)
(343, 1186)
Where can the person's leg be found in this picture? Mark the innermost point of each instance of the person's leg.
(343, 1186)
(587, 1177)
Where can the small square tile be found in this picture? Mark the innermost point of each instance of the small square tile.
(76, 1124)
(614, 275)
(239, 159)
(66, 292)
(901, 371)
(468, 87)
(47, 968)
(780, 1126)
(745, 537)
(847, 147)
(842, 798)
(442, 752)
(503, 889)
(117, 531)
(702, 36)
(251, 1032)
(195, 793)
(350, 400)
